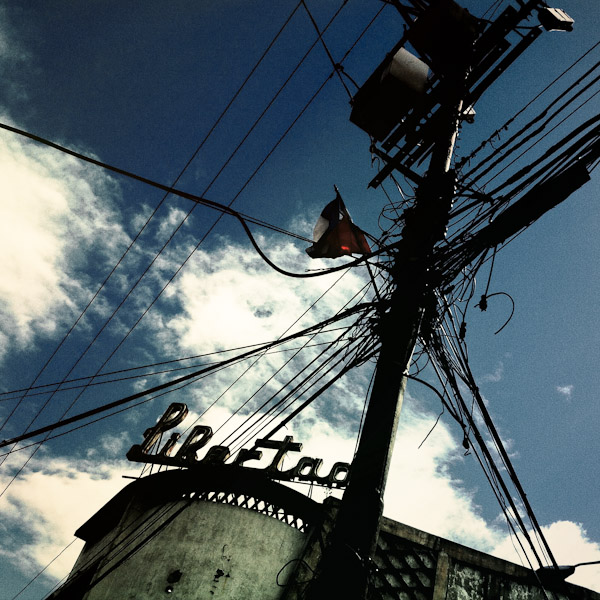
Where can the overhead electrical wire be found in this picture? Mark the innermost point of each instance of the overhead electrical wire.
(263, 415)
(490, 464)
(195, 198)
(149, 374)
(222, 208)
(174, 382)
(487, 464)
(136, 237)
(506, 125)
(587, 131)
(308, 401)
(467, 414)
(169, 390)
(467, 376)
(83, 568)
(93, 161)
(41, 571)
(500, 154)
(537, 141)
(250, 430)
(257, 412)
(336, 66)
(138, 321)
(289, 397)
(37, 138)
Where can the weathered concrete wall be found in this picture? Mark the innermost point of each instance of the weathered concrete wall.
(204, 534)
(216, 551)
(417, 565)
(172, 534)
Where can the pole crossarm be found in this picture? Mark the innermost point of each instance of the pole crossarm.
(492, 54)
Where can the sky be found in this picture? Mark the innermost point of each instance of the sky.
(140, 87)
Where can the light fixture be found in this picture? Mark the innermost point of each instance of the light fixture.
(557, 574)
(555, 19)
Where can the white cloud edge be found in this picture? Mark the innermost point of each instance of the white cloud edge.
(565, 390)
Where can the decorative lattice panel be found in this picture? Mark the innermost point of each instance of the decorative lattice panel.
(406, 571)
(250, 503)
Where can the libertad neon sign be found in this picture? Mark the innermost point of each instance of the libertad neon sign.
(306, 469)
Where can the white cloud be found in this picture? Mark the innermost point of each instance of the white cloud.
(570, 545)
(41, 510)
(115, 445)
(168, 224)
(422, 491)
(54, 214)
(496, 376)
(565, 390)
(231, 297)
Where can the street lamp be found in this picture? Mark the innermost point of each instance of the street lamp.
(557, 574)
(555, 19)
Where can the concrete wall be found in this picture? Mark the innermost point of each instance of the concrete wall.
(203, 534)
(415, 564)
(214, 550)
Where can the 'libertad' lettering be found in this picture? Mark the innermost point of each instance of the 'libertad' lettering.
(306, 469)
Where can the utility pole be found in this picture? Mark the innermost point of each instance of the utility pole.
(343, 571)
(346, 563)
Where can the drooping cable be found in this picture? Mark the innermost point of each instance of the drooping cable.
(174, 382)
(144, 226)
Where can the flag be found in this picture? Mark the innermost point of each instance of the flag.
(335, 234)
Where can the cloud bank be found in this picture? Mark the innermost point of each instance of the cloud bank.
(55, 215)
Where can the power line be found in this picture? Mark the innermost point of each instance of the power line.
(345, 349)
(190, 160)
(152, 373)
(145, 180)
(171, 383)
(504, 127)
(336, 66)
(297, 320)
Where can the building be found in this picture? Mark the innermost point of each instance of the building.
(231, 532)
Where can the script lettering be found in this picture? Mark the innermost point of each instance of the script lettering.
(198, 438)
(174, 415)
(306, 469)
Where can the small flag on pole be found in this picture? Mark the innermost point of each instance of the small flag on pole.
(335, 234)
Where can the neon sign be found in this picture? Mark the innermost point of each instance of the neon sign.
(306, 469)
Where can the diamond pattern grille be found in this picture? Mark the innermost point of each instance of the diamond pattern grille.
(250, 503)
(406, 571)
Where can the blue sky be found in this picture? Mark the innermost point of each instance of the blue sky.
(140, 88)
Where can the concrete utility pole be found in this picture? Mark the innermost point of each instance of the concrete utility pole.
(344, 568)
(345, 565)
